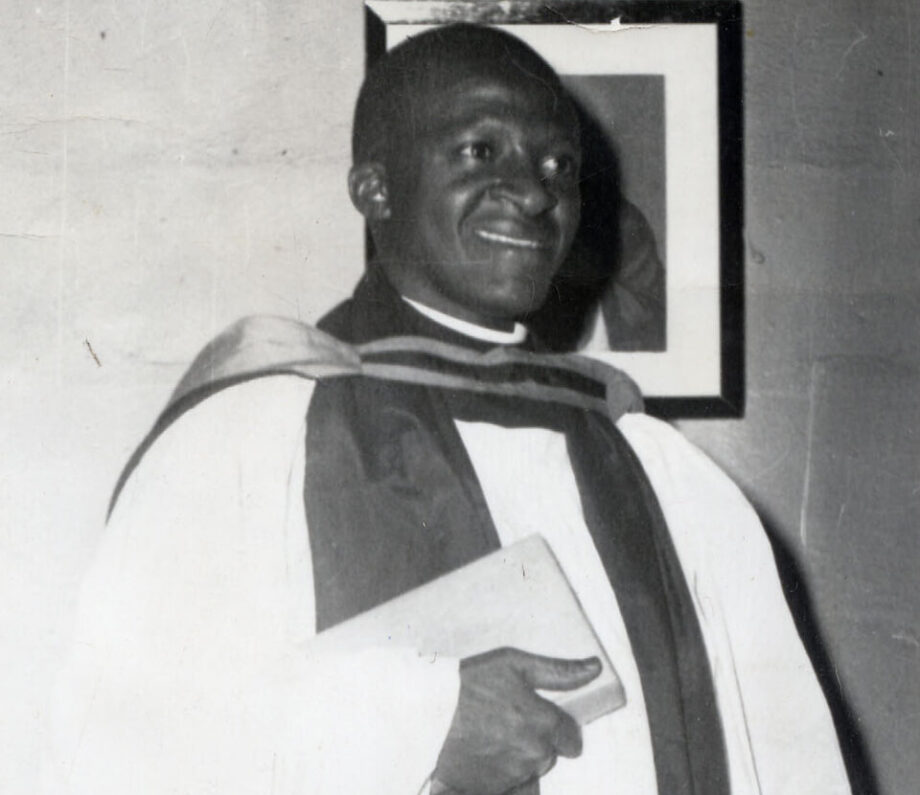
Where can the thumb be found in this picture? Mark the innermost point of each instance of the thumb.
(556, 673)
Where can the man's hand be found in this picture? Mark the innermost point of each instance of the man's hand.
(503, 733)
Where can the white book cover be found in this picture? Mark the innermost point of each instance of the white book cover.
(517, 596)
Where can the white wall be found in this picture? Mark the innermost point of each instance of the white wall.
(829, 448)
(166, 167)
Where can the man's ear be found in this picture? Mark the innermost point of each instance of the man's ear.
(367, 186)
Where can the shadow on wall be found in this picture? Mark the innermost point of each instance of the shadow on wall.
(852, 742)
(613, 268)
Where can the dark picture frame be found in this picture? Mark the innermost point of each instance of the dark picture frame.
(676, 184)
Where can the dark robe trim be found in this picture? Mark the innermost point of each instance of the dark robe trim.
(526, 389)
(632, 539)
(503, 373)
(584, 373)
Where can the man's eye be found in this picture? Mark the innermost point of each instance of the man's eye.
(477, 150)
(558, 166)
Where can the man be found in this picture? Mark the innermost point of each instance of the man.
(299, 477)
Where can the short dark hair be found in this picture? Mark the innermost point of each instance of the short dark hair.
(433, 61)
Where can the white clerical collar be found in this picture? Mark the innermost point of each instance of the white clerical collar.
(513, 337)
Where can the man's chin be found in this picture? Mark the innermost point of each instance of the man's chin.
(514, 305)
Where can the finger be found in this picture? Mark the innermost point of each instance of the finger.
(548, 765)
(555, 673)
(529, 787)
(567, 736)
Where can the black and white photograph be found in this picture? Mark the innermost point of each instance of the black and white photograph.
(453, 397)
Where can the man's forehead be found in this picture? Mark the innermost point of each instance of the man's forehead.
(489, 96)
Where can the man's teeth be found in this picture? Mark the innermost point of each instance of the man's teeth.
(508, 240)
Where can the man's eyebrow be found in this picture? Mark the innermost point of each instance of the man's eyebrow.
(469, 118)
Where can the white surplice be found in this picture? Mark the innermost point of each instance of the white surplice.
(192, 669)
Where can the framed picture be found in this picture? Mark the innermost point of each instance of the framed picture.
(654, 281)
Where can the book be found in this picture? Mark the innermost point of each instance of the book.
(517, 596)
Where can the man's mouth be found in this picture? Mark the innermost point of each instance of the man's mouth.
(514, 241)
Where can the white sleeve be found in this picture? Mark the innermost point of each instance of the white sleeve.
(779, 733)
(193, 669)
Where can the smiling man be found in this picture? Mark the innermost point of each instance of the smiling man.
(300, 477)
(473, 208)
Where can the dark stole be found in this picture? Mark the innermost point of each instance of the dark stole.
(392, 502)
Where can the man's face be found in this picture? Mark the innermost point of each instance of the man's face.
(484, 200)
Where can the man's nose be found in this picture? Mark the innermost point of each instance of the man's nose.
(522, 186)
